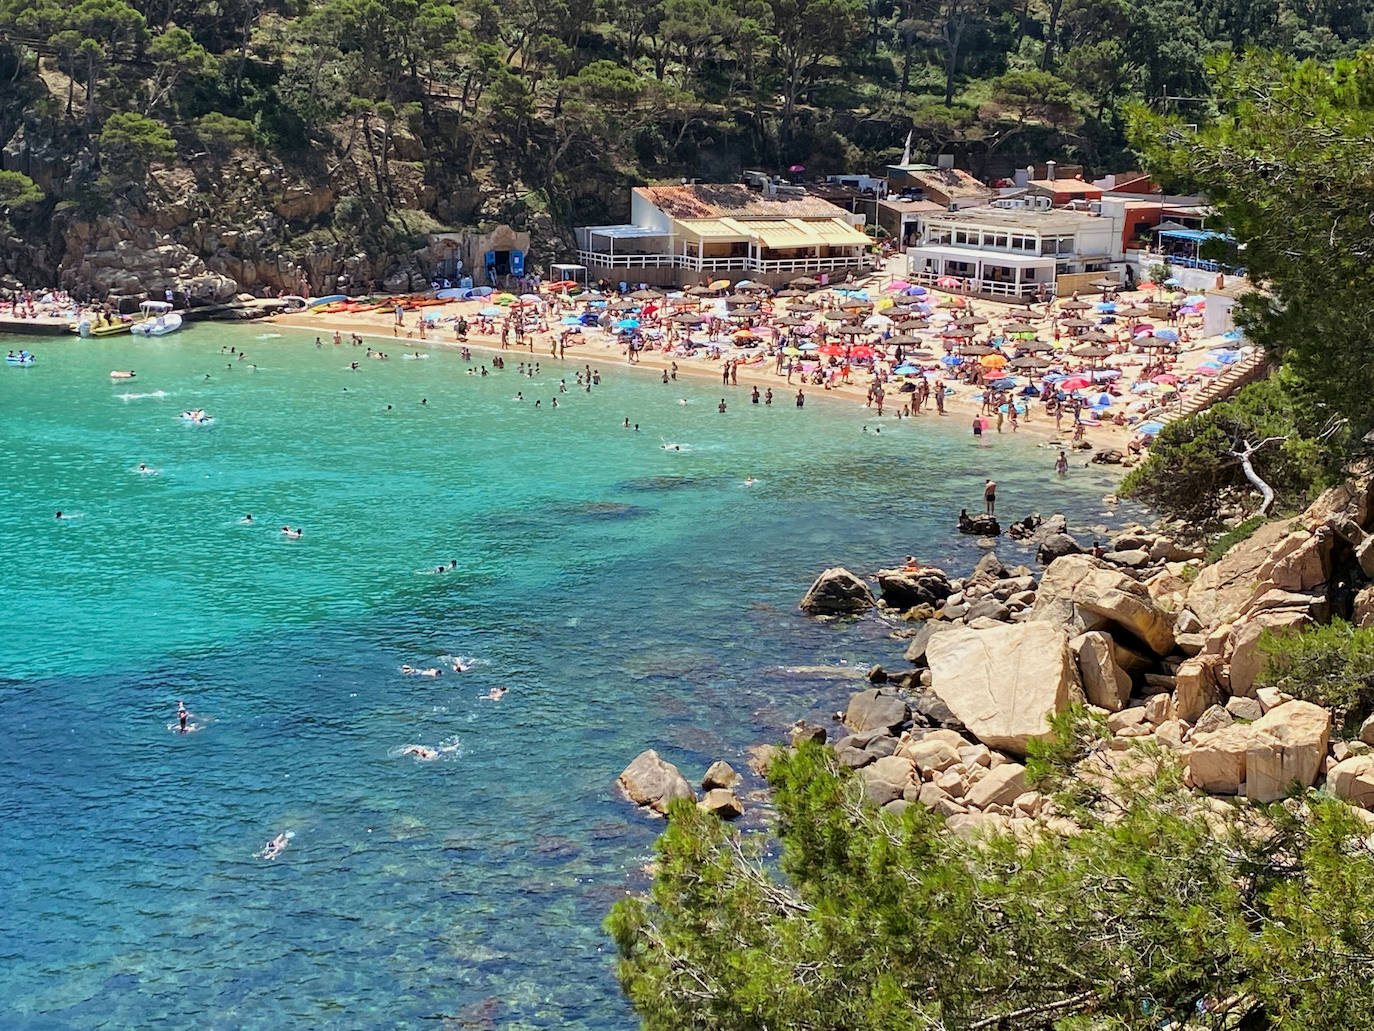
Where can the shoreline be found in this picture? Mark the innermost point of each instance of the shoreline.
(958, 405)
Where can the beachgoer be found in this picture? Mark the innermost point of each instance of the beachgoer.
(182, 717)
(495, 694)
(801, 399)
(990, 497)
(721, 407)
(1061, 464)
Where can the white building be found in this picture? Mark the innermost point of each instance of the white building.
(1012, 252)
(700, 230)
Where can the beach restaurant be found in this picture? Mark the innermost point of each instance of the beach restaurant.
(680, 234)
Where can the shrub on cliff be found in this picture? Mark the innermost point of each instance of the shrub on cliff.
(129, 144)
(882, 922)
(1192, 470)
(1331, 665)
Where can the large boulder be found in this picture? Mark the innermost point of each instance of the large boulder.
(1104, 682)
(1195, 688)
(1083, 584)
(1287, 746)
(654, 782)
(723, 802)
(1057, 545)
(1002, 682)
(1353, 780)
(873, 710)
(837, 592)
(905, 589)
(1242, 646)
(979, 525)
(1220, 590)
(999, 786)
(1217, 761)
(916, 645)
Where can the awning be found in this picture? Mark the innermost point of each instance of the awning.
(836, 232)
(626, 232)
(1001, 258)
(713, 229)
(789, 233)
(1195, 235)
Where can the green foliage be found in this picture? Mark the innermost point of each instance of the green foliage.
(1192, 472)
(887, 922)
(1332, 665)
(1289, 162)
(1242, 531)
(222, 133)
(17, 190)
(129, 144)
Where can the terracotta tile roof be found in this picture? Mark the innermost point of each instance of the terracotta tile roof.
(731, 200)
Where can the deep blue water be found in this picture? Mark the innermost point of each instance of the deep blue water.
(629, 596)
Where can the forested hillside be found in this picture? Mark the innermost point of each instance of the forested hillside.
(340, 129)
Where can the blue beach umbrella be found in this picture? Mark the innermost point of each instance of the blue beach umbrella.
(906, 370)
(571, 320)
(627, 324)
(491, 311)
(1167, 334)
(1173, 281)
(1151, 428)
(1233, 336)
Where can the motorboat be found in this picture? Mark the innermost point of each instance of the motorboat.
(21, 358)
(101, 326)
(158, 319)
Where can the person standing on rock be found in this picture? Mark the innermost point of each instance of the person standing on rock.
(990, 497)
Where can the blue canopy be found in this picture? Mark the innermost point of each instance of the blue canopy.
(1194, 235)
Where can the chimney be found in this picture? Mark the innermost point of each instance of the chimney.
(1049, 170)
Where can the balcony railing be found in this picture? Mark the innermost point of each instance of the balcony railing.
(984, 287)
(689, 262)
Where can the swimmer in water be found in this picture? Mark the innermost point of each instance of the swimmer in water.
(291, 534)
(495, 694)
(59, 513)
(682, 400)
(247, 520)
(421, 752)
(274, 847)
(749, 481)
(182, 717)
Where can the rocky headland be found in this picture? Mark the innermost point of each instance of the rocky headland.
(1163, 648)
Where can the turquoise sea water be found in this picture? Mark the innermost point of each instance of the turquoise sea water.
(629, 596)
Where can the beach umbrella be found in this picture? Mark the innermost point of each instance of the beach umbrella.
(1151, 343)
(491, 311)
(947, 283)
(1133, 312)
(791, 351)
(849, 330)
(699, 291)
(1028, 362)
(804, 308)
(749, 284)
(737, 299)
(906, 370)
(627, 324)
(976, 350)
(969, 321)
(1150, 429)
(810, 347)
(956, 332)
(1091, 351)
(717, 285)
(898, 285)
(791, 292)
(917, 291)
(1104, 284)
(689, 318)
(804, 283)
(1033, 346)
(993, 361)
(877, 322)
(903, 340)
(1106, 308)
(645, 295)
(1165, 378)
(861, 352)
(1233, 336)
(789, 320)
(953, 302)
(531, 298)
(910, 324)
(1167, 334)
(1073, 383)
(832, 350)
(1074, 304)
(1077, 323)
(1018, 328)
(835, 315)
(1173, 281)
(1094, 336)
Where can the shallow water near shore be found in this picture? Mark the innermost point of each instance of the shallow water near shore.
(630, 596)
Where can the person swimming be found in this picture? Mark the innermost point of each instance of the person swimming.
(495, 694)
(291, 534)
(461, 665)
(182, 717)
(276, 846)
(247, 520)
(421, 752)
(749, 481)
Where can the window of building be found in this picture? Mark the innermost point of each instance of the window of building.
(1000, 241)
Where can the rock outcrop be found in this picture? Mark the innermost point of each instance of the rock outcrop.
(837, 592)
(1105, 683)
(1287, 747)
(1091, 592)
(905, 589)
(1002, 683)
(874, 710)
(653, 782)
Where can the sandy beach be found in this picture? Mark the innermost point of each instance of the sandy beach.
(606, 351)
